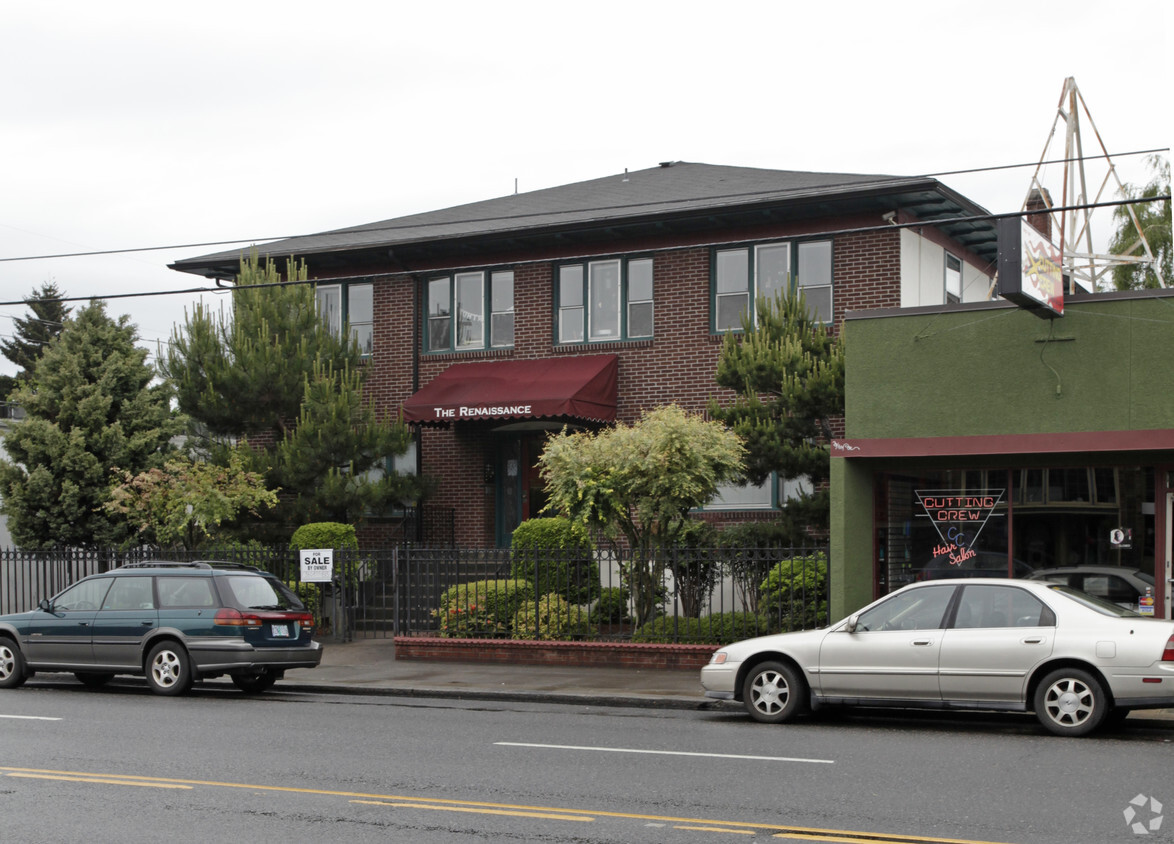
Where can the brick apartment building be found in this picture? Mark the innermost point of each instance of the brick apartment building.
(493, 323)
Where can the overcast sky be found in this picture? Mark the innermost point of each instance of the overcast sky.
(129, 125)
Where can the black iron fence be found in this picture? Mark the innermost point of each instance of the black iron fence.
(697, 595)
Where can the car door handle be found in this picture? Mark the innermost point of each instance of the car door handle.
(1034, 641)
(922, 642)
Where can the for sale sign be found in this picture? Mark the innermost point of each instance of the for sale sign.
(317, 565)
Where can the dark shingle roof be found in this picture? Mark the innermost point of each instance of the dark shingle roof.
(670, 190)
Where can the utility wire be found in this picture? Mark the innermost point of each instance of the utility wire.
(588, 256)
(548, 214)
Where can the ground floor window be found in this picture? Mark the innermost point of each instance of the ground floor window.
(1089, 526)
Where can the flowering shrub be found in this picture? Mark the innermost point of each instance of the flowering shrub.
(480, 608)
(550, 617)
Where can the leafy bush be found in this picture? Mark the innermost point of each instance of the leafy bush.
(555, 555)
(324, 535)
(337, 537)
(613, 607)
(480, 608)
(794, 594)
(549, 618)
(309, 594)
(750, 550)
(716, 629)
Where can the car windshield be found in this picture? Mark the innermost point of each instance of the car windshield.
(254, 592)
(1094, 603)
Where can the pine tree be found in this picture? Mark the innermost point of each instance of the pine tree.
(34, 334)
(276, 376)
(90, 409)
(788, 371)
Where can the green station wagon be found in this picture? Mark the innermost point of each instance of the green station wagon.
(173, 623)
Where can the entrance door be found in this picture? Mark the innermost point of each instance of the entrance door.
(521, 493)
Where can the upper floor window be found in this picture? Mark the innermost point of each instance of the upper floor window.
(350, 303)
(598, 301)
(746, 274)
(470, 310)
(953, 279)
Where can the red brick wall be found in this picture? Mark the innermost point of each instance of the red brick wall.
(676, 365)
(587, 654)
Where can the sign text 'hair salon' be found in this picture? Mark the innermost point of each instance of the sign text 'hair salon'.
(958, 518)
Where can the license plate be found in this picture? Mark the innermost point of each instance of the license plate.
(280, 631)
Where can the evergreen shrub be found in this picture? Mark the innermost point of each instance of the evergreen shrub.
(613, 607)
(716, 629)
(554, 554)
(795, 594)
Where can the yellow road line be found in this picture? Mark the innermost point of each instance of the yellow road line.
(716, 829)
(102, 780)
(545, 815)
(778, 830)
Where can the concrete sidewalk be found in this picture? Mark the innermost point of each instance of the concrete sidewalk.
(368, 666)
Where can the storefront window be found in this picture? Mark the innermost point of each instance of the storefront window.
(1088, 523)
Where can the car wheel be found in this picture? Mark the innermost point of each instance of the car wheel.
(254, 682)
(774, 692)
(93, 679)
(1070, 702)
(12, 673)
(169, 669)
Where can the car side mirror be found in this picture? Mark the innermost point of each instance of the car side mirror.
(853, 620)
(45, 605)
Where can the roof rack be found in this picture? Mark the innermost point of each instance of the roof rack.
(223, 564)
(164, 564)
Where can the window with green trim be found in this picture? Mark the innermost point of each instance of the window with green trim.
(349, 303)
(601, 301)
(771, 494)
(745, 274)
(470, 310)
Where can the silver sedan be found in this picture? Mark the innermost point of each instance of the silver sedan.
(978, 643)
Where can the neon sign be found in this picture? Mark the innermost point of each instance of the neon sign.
(958, 519)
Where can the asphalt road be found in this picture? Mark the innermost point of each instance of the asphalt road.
(122, 765)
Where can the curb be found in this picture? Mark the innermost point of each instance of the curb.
(516, 696)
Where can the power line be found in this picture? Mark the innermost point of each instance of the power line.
(588, 256)
(634, 205)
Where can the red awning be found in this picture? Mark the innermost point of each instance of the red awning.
(575, 387)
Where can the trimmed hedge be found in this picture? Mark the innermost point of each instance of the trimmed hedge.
(717, 629)
(555, 555)
(324, 535)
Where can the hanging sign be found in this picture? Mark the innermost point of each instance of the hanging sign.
(1030, 273)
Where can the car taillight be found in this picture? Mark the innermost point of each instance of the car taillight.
(228, 617)
(1168, 654)
(306, 619)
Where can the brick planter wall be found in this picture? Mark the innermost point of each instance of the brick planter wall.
(585, 654)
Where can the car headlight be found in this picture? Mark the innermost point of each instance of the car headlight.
(718, 658)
